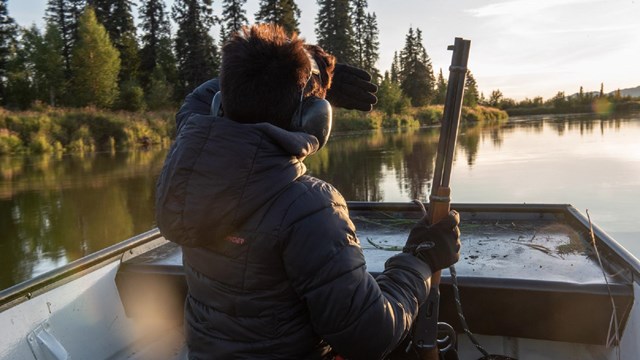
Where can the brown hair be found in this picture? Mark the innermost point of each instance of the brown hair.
(263, 72)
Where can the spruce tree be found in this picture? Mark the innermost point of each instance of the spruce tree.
(441, 89)
(233, 17)
(359, 22)
(95, 64)
(65, 15)
(334, 31)
(471, 93)
(196, 53)
(416, 72)
(371, 47)
(282, 12)
(46, 62)
(8, 33)
(156, 53)
(19, 90)
(394, 74)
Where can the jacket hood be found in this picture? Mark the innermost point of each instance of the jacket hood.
(219, 172)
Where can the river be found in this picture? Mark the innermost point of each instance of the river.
(55, 209)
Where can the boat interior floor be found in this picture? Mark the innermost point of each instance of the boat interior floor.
(524, 274)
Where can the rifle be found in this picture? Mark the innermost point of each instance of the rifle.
(425, 328)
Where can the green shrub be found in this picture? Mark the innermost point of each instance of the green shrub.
(398, 121)
(429, 115)
(131, 97)
(40, 144)
(351, 120)
(9, 142)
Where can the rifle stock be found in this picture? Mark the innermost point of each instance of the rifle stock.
(425, 329)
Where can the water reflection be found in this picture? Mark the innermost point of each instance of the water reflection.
(57, 209)
(54, 210)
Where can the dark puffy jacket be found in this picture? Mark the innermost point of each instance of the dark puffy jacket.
(273, 264)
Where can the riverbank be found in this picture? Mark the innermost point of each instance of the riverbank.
(82, 130)
(55, 130)
(602, 107)
(352, 120)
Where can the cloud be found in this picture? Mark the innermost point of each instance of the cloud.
(520, 7)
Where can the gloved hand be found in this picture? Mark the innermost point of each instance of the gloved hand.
(438, 245)
(351, 88)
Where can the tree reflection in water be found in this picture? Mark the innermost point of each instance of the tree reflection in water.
(55, 209)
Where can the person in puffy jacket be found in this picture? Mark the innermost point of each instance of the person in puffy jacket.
(273, 264)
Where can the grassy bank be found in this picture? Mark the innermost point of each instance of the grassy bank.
(48, 130)
(603, 107)
(81, 130)
(347, 120)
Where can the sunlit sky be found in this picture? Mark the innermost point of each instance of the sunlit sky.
(525, 48)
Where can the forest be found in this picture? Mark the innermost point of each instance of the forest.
(94, 77)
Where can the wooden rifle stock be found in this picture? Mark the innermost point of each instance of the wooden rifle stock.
(425, 328)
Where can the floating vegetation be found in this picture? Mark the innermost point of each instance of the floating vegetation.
(383, 247)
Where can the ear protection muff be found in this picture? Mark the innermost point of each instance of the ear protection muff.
(314, 117)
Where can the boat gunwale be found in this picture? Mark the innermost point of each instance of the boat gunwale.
(32, 287)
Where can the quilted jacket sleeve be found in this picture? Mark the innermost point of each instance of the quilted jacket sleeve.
(359, 316)
(198, 102)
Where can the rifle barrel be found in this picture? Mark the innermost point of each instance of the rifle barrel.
(425, 329)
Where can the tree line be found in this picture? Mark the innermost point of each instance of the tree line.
(91, 52)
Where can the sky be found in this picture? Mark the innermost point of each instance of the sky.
(524, 48)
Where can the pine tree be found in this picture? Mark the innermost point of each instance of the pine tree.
(8, 34)
(334, 31)
(470, 91)
(44, 54)
(359, 22)
(371, 47)
(65, 15)
(19, 90)
(95, 64)
(394, 75)
(416, 72)
(441, 89)
(233, 17)
(156, 53)
(196, 53)
(282, 12)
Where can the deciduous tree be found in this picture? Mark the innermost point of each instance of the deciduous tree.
(116, 16)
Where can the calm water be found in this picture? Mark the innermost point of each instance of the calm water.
(57, 209)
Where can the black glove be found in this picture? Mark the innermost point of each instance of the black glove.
(351, 88)
(437, 245)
